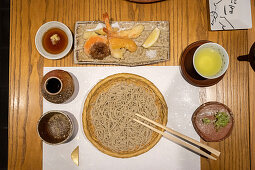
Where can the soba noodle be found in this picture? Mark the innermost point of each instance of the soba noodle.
(113, 112)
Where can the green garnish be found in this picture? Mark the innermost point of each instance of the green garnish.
(222, 119)
(206, 120)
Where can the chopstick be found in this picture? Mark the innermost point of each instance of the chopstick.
(178, 141)
(212, 150)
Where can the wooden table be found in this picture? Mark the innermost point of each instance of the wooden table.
(189, 22)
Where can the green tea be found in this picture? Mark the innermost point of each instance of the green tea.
(208, 62)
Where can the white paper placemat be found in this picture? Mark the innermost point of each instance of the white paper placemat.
(230, 14)
(182, 100)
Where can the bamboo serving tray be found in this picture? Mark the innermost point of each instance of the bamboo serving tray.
(103, 86)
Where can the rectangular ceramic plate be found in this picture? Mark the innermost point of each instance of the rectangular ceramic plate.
(154, 54)
(230, 14)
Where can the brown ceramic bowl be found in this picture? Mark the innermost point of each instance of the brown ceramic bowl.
(208, 132)
(188, 71)
(55, 127)
(57, 86)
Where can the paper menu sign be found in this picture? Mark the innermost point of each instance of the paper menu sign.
(230, 14)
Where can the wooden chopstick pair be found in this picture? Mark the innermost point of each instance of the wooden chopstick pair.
(179, 141)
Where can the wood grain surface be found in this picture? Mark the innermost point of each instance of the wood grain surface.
(144, 1)
(251, 40)
(189, 22)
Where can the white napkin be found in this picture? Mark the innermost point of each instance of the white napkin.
(182, 99)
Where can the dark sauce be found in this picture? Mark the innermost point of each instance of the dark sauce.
(59, 46)
(53, 85)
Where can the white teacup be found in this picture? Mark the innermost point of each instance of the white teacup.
(224, 56)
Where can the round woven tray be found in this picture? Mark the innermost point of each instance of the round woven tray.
(103, 86)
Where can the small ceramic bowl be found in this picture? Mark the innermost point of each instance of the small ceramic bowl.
(55, 127)
(207, 130)
(188, 71)
(57, 86)
(39, 36)
(224, 56)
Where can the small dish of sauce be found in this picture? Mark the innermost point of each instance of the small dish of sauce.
(54, 41)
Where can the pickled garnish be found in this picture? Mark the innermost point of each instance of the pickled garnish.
(222, 119)
(206, 120)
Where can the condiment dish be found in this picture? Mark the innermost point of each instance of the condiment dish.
(39, 38)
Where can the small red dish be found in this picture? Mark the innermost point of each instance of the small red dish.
(207, 130)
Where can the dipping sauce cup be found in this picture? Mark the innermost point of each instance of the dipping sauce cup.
(55, 127)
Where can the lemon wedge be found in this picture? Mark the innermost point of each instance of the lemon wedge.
(153, 37)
